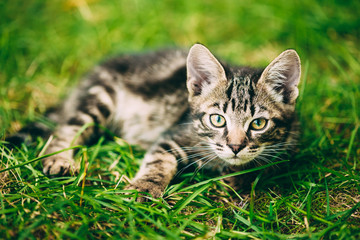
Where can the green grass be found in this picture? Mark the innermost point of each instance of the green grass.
(45, 47)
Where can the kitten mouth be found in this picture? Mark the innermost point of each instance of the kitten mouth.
(237, 160)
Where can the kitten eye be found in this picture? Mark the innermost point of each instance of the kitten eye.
(217, 120)
(258, 124)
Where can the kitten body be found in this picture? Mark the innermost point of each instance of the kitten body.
(184, 108)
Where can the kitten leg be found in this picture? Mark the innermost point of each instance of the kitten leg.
(63, 163)
(157, 170)
(94, 107)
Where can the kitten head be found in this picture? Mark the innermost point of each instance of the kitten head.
(243, 113)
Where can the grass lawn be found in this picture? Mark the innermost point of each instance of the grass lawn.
(46, 46)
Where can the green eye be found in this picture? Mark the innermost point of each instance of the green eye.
(217, 120)
(258, 124)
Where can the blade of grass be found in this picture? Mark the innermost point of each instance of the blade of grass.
(38, 158)
(305, 213)
(248, 213)
(327, 198)
(179, 206)
(156, 223)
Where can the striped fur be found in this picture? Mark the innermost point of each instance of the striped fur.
(147, 100)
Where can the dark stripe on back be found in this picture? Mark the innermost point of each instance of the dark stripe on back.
(110, 90)
(77, 121)
(93, 116)
(106, 85)
(159, 87)
(104, 110)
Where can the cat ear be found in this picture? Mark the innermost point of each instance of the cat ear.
(281, 77)
(204, 72)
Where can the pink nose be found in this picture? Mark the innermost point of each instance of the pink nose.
(235, 148)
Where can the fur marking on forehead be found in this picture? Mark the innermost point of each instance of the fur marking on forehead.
(240, 94)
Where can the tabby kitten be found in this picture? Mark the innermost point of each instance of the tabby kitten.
(185, 108)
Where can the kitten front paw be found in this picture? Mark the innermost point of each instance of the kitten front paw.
(145, 187)
(59, 166)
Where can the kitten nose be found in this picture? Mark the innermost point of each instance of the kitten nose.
(235, 148)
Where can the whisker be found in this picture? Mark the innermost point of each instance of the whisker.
(263, 159)
(274, 151)
(190, 157)
(268, 155)
(202, 166)
(187, 166)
